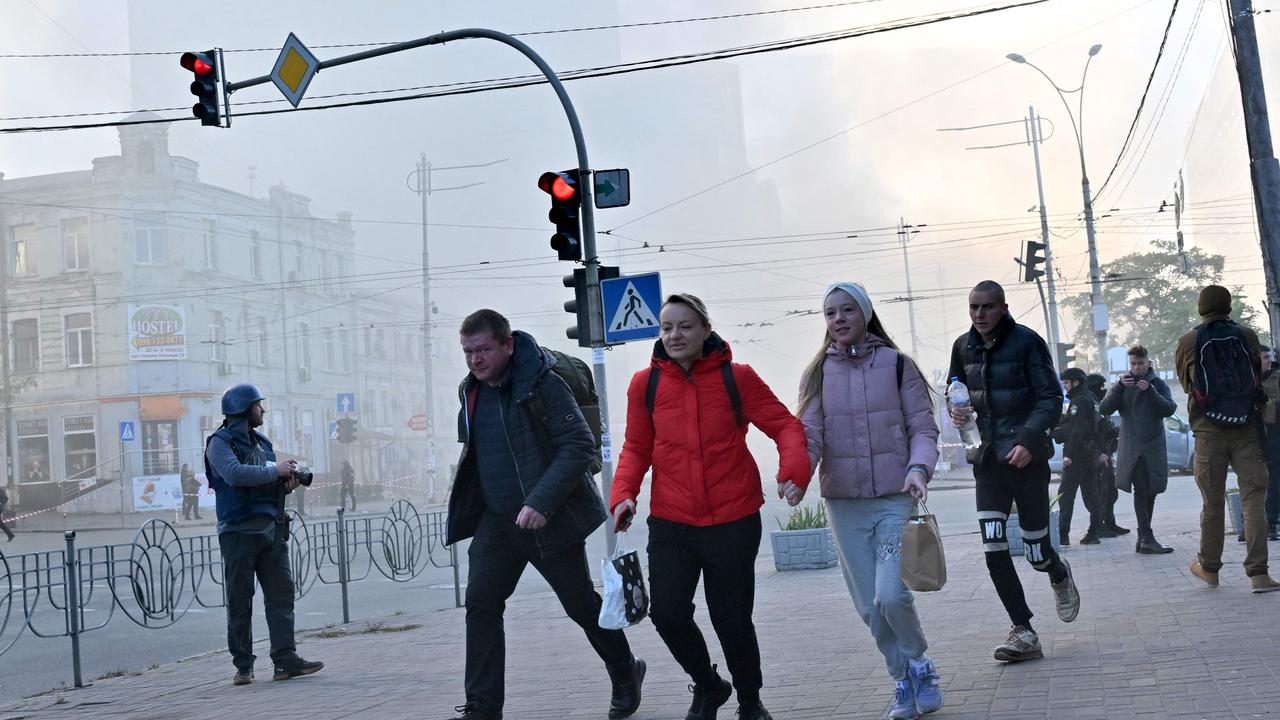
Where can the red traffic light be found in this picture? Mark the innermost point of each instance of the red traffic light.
(558, 185)
(196, 63)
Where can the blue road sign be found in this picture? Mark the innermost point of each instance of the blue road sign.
(333, 429)
(631, 305)
(127, 433)
(346, 402)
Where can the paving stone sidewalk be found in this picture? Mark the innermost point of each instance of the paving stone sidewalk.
(1151, 642)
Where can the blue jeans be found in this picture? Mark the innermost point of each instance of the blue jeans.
(868, 535)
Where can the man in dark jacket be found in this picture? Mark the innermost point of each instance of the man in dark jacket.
(1017, 398)
(4, 500)
(348, 485)
(1143, 401)
(1109, 437)
(253, 533)
(523, 492)
(1221, 446)
(1078, 433)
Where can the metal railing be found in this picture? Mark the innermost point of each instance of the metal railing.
(157, 578)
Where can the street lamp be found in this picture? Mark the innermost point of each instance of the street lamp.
(1099, 309)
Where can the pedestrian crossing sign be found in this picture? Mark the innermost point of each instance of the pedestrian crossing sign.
(631, 304)
(127, 433)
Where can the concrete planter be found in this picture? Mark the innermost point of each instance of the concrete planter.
(1236, 512)
(803, 549)
(1013, 531)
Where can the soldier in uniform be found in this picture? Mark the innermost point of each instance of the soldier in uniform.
(1078, 433)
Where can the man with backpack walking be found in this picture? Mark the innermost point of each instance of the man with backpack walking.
(524, 492)
(1220, 366)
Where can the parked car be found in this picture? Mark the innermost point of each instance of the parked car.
(1180, 446)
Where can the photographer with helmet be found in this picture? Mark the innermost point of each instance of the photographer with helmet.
(253, 532)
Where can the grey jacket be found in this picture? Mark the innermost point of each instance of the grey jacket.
(1142, 414)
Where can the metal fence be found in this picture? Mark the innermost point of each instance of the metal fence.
(158, 577)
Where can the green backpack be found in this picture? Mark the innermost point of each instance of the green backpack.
(577, 375)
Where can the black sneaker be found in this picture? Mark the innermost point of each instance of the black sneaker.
(1090, 538)
(753, 711)
(297, 668)
(1106, 531)
(242, 677)
(708, 699)
(469, 712)
(1117, 529)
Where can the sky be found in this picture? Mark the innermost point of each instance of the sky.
(755, 181)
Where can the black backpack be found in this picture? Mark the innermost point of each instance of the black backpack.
(1226, 381)
(577, 375)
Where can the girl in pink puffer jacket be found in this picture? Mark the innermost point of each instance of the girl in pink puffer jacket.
(869, 421)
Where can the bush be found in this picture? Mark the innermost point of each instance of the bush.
(806, 518)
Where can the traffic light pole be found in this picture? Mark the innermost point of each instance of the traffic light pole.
(1051, 304)
(591, 259)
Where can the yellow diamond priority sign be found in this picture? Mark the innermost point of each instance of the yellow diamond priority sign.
(294, 69)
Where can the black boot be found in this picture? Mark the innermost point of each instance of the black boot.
(626, 691)
(1111, 523)
(1106, 531)
(1147, 545)
(708, 698)
(1273, 534)
(753, 710)
(1090, 537)
(1064, 539)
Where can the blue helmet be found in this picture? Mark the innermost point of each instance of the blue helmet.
(239, 398)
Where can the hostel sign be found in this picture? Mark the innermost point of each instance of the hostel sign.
(157, 332)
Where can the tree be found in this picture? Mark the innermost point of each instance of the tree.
(1152, 303)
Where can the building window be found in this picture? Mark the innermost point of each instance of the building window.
(307, 438)
(277, 428)
(386, 408)
(159, 447)
(210, 236)
(304, 346)
(80, 444)
(330, 350)
(75, 244)
(368, 340)
(344, 356)
(217, 336)
(33, 450)
(379, 346)
(79, 339)
(326, 271)
(24, 237)
(260, 346)
(255, 255)
(150, 237)
(26, 345)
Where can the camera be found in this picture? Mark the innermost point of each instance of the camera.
(304, 476)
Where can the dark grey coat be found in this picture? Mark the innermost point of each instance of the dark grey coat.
(1142, 414)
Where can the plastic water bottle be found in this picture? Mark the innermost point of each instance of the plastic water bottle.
(958, 397)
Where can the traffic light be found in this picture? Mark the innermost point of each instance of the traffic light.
(1066, 356)
(347, 430)
(207, 85)
(565, 201)
(1032, 261)
(578, 305)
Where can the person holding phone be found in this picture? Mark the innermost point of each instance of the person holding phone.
(687, 417)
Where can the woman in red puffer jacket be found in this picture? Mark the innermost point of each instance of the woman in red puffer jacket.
(687, 418)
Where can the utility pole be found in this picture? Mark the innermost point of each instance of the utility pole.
(1263, 167)
(1034, 138)
(904, 235)
(7, 387)
(424, 188)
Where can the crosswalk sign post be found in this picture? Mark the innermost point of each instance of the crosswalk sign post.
(631, 304)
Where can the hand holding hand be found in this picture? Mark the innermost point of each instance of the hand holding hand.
(1018, 457)
(623, 514)
(790, 492)
(530, 519)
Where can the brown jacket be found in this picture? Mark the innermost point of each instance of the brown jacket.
(1185, 359)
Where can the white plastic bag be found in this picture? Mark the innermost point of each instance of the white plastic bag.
(626, 601)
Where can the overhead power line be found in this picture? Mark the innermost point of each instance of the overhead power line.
(603, 71)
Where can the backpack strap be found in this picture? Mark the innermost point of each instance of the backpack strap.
(730, 386)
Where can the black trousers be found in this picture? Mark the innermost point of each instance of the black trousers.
(1080, 475)
(190, 501)
(1107, 490)
(1144, 498)
(249, 555)
(5, 528)
(344, 492)
(725, 557)
(998, 486)
(496, 560)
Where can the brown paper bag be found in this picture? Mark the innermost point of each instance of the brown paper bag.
(924, 564)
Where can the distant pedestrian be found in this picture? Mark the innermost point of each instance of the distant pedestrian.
(1271, 444)
(1220, 365)
(348, 485)
(1081, 456)
(1018, 400)
(525, 494)
(1143, 401)
(687, 419)
(190, 492)
(253, 533)
(869, 420)
(4, 500)
(1109, 436)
